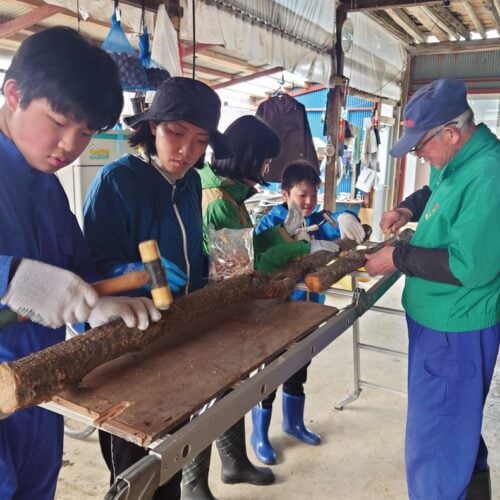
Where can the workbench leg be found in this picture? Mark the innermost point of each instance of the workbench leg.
(356, 369)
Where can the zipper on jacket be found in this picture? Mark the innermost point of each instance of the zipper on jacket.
(184, 240)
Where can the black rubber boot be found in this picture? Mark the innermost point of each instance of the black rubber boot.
(195, 477)
(236, 467)
(480, 486)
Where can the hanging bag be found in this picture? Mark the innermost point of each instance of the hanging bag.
(132, 73)
(155, 74)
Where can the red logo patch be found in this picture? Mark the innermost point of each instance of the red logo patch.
(409, 123)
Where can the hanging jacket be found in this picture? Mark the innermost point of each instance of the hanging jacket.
(288, 118)
(129, 201)
(224, 207)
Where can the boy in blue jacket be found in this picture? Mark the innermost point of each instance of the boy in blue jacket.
(299, 186)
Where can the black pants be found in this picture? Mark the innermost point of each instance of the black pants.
(120, 454)
(294, 386)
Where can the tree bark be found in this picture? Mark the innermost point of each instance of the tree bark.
(347, 262)
(38, 377)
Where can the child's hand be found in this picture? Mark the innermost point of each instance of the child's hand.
(351, 228)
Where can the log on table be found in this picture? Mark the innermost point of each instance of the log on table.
(38, 377)
(308, 264)
(346, 263)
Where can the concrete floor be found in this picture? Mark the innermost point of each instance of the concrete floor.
(361, 456)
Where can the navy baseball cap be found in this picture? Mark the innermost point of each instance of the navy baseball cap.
(180, 98)
(435, 104)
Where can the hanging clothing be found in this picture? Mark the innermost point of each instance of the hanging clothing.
(288, 118)
(36, 223)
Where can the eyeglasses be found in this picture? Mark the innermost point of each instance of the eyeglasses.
(437, 132)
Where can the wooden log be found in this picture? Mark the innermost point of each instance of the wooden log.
(305, 265)
(37, 378)
(345, 264)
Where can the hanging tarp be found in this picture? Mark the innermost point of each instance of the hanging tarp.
(293, 34)
(376, 62)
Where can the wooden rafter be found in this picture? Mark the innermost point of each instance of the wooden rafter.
(463, 46)
(188, 68)
(445, 15)
(247, 78)
(429, 25)
(407, 23)
(493, 10)
(454, 35)
(29, 19)
(371, 5)
(473, 16)
(386, 22)
(199, 47)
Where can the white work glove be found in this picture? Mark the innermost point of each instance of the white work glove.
(350, 227)
(329, 246)
(134, 311)
(49, 295)
(294, 220)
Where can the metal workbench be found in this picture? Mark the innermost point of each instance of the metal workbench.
(172, 452)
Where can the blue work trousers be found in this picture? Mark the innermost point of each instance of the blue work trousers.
(449, 375)
(31, 447)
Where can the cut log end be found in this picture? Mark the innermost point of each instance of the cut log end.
(8, 382)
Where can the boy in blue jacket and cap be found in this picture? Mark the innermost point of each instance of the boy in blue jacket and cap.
(299, 187)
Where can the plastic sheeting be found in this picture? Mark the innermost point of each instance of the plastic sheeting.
(165, 50)
(293, 34)
(102, 10)
(376, 61)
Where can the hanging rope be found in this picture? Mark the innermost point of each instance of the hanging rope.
(194, 40)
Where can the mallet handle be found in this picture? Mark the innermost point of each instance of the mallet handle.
(120, 284)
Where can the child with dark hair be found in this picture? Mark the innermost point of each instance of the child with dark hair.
(299, 186)
(59, 90)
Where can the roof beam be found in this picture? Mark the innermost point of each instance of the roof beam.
(247, 78)
(403, 19)
(475, 20)
(29, 19)
(493, 10)
(199, 47)
(440, 22)
(430, 25)
(188, 68)
(444, 15)
(462, 46)
(386, 22)
(370, 5)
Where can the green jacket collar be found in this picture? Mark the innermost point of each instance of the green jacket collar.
(238, 190)
(479, 143)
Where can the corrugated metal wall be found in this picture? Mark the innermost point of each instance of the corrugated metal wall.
(480, 70)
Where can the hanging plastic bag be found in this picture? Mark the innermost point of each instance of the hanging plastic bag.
(230, 252)
(155, 74)
(133, 75)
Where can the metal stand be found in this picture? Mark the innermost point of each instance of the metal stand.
(172, 452)
(360, 298)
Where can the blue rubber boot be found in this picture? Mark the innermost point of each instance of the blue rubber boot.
(261, 418)
(293, 420)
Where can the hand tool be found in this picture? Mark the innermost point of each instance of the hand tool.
(154, 273)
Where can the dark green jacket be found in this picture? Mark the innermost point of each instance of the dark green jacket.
(223, 207)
